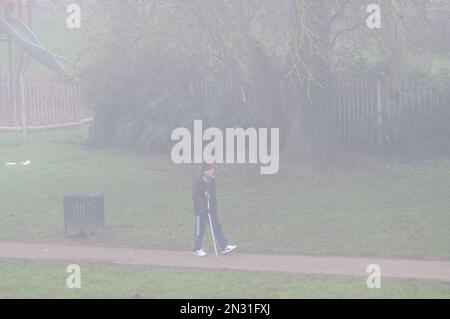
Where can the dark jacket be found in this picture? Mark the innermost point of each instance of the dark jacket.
(200, 188)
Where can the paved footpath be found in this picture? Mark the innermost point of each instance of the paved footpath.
(310, 265)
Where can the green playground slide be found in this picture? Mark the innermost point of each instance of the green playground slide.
(25, 39)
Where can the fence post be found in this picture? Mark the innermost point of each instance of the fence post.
(379, 125)
(23, 107)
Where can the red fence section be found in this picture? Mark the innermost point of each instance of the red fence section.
(9, 109)
(49, 103)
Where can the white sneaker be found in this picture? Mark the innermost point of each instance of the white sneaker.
(200, 253)
(229, 249)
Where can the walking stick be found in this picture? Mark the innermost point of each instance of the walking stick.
(212, 228)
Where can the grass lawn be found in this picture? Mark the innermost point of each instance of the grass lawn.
(75, 135)
(48, 280)
(401, 211)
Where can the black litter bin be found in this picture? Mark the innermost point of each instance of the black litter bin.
(83, 213)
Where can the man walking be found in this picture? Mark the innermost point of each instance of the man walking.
(205, 207)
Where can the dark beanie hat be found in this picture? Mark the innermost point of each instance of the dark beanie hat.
(207, 166)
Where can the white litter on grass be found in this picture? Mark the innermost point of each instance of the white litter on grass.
(10, 164)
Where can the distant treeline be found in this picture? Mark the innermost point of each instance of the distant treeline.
(154, 66)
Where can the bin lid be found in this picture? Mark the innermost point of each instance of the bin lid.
(85, 196)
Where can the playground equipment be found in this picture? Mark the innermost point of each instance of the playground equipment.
(20, 35)
(38, 103)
